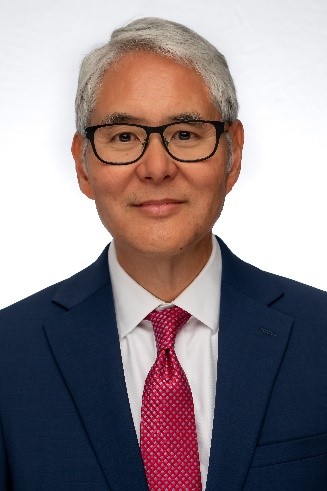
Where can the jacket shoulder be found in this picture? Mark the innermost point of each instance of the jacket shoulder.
(289, 296)
(62, 295)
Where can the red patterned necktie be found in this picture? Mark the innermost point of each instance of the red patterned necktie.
(168, 434)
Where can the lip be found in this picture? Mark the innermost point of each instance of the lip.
(160, 207)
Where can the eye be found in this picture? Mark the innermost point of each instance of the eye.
(125, 137)
(183, 135)
(185, 132)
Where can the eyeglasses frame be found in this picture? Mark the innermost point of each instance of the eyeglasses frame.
(90, 131)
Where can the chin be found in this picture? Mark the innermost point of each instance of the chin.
(164, 245)
(160, 250)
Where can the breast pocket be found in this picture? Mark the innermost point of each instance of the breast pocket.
(295, 465)
(278, 453)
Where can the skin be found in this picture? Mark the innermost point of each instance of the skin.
(159, 211)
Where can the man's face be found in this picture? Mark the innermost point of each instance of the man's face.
(157, 206)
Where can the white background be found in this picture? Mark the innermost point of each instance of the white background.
(274, 218)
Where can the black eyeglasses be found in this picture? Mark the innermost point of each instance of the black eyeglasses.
(123, 144)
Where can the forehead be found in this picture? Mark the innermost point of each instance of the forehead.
(152, 87)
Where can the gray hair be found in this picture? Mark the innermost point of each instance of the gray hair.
(168, 39)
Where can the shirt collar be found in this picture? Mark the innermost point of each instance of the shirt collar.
(133, 303)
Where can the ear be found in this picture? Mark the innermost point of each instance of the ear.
(236, 133)
(78, 151)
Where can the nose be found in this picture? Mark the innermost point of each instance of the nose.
(156, 164)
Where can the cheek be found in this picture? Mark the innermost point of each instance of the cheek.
(104, 195)
(107, 185)
(109, 211)
(213, 196)
(110, 187)
(210, 187)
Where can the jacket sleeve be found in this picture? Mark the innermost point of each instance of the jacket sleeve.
(4, 468)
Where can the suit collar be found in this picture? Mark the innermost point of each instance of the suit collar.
(248, 279)
(240, 275)
(82, 285)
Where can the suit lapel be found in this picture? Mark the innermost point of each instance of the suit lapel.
(252, 340)
(85, 344)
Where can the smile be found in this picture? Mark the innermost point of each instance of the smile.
(159, 208)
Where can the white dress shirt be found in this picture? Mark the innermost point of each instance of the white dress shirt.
(196, 343)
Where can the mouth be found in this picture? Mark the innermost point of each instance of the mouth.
(161, 207)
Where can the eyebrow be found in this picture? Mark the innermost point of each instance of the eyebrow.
(185, 117)
(117, 118)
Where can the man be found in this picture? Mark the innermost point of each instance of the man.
(169, 363)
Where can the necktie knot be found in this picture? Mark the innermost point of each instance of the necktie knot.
(166, 323)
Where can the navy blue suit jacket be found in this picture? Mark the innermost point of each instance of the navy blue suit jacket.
(65, 417)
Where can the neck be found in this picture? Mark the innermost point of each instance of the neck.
(165, 277)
